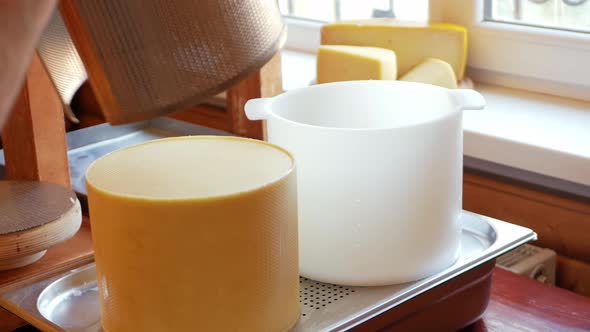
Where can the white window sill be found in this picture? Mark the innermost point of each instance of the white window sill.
(529, 136)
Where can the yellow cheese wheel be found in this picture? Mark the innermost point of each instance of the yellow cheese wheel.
(196, 234)
(432, 71)
(348, 63)
(412, 42)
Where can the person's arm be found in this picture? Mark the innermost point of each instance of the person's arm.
(21, 25)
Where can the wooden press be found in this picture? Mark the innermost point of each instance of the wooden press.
(35, 149)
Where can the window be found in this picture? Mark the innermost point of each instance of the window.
(305, 17)
(572, 15)
(536, 45)
(335, 10)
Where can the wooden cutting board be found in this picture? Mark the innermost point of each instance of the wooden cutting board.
(34, 216)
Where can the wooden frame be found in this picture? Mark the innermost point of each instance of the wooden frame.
(36, 149)
(267, 82)
(34, 137)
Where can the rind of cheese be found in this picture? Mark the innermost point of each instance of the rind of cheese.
(202, 225)
(349, 63)
(198, 167)
(412, 42)
(432, 71)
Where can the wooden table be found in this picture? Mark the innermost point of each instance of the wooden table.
(522, 304)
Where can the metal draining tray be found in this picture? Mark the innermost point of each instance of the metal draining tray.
(69, 302)
(88, 144)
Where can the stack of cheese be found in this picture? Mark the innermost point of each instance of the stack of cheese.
(385, 49)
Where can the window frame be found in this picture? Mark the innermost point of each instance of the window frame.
(548, 60)
(302, 35)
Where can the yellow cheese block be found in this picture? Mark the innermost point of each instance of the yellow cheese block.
(196, 234)
(432, 71)
(412, 42)
(349, 63)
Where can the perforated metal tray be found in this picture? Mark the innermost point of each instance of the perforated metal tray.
(68, 302)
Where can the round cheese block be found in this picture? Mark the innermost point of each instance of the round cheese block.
(196, 233)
